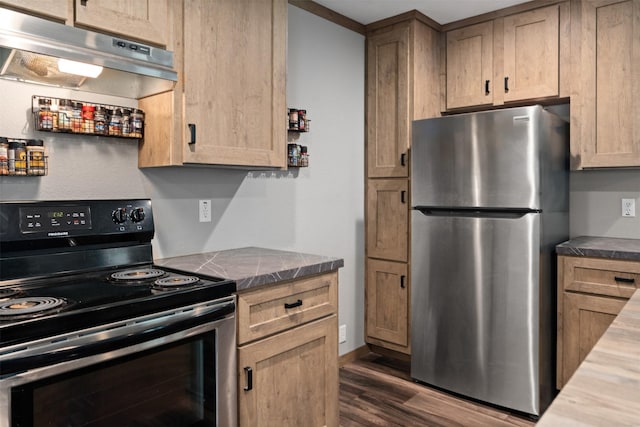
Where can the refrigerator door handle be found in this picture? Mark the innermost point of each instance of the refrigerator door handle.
(475, 213)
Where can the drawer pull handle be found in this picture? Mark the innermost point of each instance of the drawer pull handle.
(293, 304)
(623, 280)
(248, 372)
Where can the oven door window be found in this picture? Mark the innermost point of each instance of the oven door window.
(172, 385)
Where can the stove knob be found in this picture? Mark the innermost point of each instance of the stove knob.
(119, 215)
(137, 215)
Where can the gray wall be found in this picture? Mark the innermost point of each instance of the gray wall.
(319, 209)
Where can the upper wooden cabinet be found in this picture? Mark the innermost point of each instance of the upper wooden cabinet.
(470, 66)
(402, 76)
(605, 107)
(141, 20)
(229, 106)
(56, 9)
(523, 56)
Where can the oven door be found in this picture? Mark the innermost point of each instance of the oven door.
(171, 369)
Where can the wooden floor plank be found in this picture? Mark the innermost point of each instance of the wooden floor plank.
(378, 391)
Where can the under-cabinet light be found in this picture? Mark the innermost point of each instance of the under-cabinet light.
(79, 68)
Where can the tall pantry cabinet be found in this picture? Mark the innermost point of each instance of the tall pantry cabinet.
(402, 85)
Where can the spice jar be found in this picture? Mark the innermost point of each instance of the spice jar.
(126, 122)
(76, 118)
(4, 156)
(45, 118)
(35, 157)
(302, 120)
(20, 156)
(87, 118)
(115, 123)
(137, 123)
(65, 113)
(293, 118)
(100, 121)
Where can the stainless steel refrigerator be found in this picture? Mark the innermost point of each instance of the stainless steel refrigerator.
(490, 197)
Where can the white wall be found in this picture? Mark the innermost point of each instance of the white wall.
(319, 209)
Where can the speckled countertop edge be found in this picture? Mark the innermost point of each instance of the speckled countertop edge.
(252, 266)
(601, 247)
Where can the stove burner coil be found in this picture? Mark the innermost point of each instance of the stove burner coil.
(172, 282)
(8, 293)
(29, 305)
(137, 275)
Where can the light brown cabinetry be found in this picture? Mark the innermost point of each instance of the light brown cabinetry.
(518, 57)
(140, 20)
(605, 105)
(591, 293)
(288, 353)
(402, 85)
(387, 304)
(388, 219)
(229, 107)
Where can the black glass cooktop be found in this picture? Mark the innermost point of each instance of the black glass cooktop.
(46, 307)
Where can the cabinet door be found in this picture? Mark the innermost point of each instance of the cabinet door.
(470, 66)
(387, 304)
(387, 219)
(294, 378)
(58, 9)
(531, 54)
(234, 70)
(141, 20)
(585, 319)
(388, 103)
(609, 98)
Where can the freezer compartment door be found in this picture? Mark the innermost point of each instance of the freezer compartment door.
(488, 159)
(474, 306)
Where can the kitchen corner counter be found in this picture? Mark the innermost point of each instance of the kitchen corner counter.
(601, 247)
(252, 267)
(605, 390)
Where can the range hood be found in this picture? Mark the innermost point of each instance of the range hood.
(30, 49)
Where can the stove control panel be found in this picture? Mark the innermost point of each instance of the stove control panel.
(54, 219)
(63, 219)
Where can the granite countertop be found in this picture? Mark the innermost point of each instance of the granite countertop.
(605, 390)
(601, 247)
(251, 267)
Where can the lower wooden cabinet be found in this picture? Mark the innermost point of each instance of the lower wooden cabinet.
(288, 354)
(387, 305)
(293, 378)
(591, 293)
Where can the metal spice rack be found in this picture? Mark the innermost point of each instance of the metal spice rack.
(87, 122)
(23, 162)
(297, 121)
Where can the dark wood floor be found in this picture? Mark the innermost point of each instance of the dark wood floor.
(378, 391)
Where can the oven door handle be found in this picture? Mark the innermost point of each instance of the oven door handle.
(68, 351)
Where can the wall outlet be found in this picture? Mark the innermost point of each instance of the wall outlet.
(342, 334)
(629, 207)
(204, 208)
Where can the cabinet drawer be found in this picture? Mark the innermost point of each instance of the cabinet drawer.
(272, 309)
(601, 276)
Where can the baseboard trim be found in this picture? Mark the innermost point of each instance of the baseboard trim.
(353, 355)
